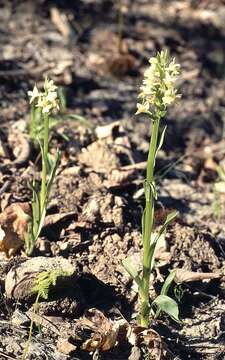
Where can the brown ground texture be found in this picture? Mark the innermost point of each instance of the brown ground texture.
(96, 203)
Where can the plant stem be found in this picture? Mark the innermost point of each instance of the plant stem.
(148, 224)
(32, 122)
(26, 349)
(44, 164)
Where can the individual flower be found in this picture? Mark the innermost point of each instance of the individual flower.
(158, 87)
(142, 108)
(49, 85)
(44, 104)
(34, 94)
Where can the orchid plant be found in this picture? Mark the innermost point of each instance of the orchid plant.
(158, 91)
(46, 102)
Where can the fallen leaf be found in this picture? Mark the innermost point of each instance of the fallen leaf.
(183, 276)
(104, 332)
(140, 336)
(14, 222)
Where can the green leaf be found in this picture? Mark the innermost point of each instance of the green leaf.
(40, 224)
(161, 140)
(127, 264)
(155, 241)
(166, 286)
(35, 204)
(143, 223)
(54, 166)
(168, 305)
(170, 217)
(168, 282)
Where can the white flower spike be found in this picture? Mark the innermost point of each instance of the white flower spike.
(46, 101)
(158, 89)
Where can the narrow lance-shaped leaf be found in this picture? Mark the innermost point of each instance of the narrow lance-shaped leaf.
(127, 264)
(161, 140)
(52, 172)
(170, 217)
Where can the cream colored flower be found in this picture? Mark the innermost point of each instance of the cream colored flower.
(34, 94)
(48, 100)
(52, 96)
(158, 87)
(49, 85)
(44, 104)
(142, 108)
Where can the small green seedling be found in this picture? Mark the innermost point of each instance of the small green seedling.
(157, 93)
(46, 103)
(42, 285)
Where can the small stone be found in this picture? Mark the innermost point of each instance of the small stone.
(19, 318)
(65, 347)
(20, 279)
(13, 348)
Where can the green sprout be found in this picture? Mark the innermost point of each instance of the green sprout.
(46, 102)
(157, 92)
(44, 281)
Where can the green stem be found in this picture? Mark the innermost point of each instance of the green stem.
(44, 164)
(26, 349)
(32, 122)
(148, 224)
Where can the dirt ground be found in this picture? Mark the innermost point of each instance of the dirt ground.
(98, 56)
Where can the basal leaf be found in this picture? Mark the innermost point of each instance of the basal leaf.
(168, 305)
(127, 264)
(166, 286)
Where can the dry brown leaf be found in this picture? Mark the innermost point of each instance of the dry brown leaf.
(140, 336)
(105, 331)
(183, 276)
(14, 221)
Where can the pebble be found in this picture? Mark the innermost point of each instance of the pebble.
(19, 318)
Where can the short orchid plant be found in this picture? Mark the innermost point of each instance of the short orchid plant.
(46, 103)
(158, 91)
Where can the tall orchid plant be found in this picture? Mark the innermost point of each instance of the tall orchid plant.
(158, 91)
(46, 102)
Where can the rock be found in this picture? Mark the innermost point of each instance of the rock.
(20, 279)
(19, 318)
